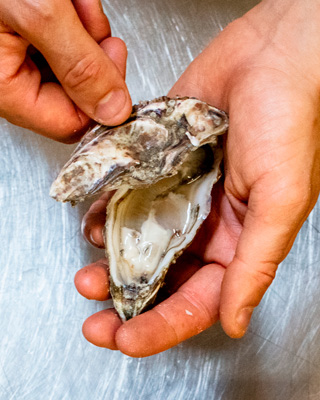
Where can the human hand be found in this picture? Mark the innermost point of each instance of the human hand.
(264, 70)
(85, 75)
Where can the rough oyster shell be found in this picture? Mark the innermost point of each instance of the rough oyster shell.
(164, 161)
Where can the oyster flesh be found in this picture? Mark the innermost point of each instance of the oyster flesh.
(163, 161)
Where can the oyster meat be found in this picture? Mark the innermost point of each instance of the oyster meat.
(163, 162)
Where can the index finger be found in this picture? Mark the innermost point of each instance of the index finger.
(191, 310)
(93, 18)
(94, 220)
(87, 74)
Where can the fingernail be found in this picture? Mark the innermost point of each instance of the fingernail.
(244, 317)
(96, 238)
(110, 105)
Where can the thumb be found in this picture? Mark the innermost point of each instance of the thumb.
(271, 223)
(85, 71)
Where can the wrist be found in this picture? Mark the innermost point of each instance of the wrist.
(291, 27)
(293, 11)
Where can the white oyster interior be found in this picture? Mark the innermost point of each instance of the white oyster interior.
(148, 227)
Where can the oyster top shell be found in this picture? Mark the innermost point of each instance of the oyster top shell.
(150, 145)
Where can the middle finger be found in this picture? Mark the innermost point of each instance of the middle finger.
(93, 18)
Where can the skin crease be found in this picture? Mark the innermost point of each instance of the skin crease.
(85, 65)
(266, 75)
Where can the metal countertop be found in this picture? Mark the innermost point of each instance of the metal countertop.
(42, 352)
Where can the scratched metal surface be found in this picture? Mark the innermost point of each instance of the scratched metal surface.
(42, 352)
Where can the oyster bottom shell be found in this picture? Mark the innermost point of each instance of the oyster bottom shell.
(163, 162)
(148, 228)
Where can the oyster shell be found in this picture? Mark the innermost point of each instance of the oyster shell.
(163, 161)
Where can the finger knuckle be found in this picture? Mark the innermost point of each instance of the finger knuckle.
(82, 73)
(265, 274)
(36, 14)
(297, 199)
(205, 315)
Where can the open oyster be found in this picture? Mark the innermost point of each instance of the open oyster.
(163, 161)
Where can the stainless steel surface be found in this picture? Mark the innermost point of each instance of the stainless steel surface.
(42, 352)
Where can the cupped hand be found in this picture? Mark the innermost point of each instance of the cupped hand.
(264, 70)
(82, 77)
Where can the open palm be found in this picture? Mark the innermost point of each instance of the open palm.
(271, 183)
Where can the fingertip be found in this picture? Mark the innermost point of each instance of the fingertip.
(236, 327)
(96, 237)
(115, 47)
(100, 328)
(67, 132)
(92, 281)
(116, 50)
(114, 108)
(243, 318)
(93, 222)
(92, 229)
(93, 18)
(243, 287)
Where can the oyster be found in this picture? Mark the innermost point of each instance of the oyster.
(163, 161)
